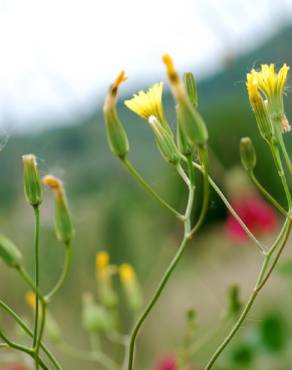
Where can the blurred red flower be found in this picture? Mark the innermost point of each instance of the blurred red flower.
(255, 213)
(167, 363)
(15, 367)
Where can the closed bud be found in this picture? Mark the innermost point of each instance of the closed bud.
(63, 224)
(165, 142)
(116, 134)
(9, 253)
(182, 142)
(191, 88)
(191, 122)
(95, 318)
(247, 154)
(131, 286)
(32, 185)
(234, 303)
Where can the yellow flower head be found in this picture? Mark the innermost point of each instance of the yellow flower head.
(147, 104)
(30, 298)
(101, 260)
(269, 85)
(127, 273)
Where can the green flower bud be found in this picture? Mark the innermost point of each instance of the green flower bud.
(165, 142)
(63, 224)
(95, 318)
(189, 118)
(191, 88)
(182, 142)
(32, 185)
(131, 286)
(234, 303)
(247, 154)
(116, 134)
(9, 253)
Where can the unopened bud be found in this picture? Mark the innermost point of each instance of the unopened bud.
(63, 224)
(32, 185)
(188, 117)
(165, 142)
(234, 303)
(9, 253)
(116, 134)
(131, 286)
(95, 318)
(247, 154)
(191, 88)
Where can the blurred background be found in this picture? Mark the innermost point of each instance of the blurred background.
(57, 61)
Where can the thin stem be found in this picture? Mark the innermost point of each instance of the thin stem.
(261, 281)
(153, 300)
(23, 325)
(36, 261)
(66, 268)
(266, 194)
(149, 189)
(21, 348)
(183, 175)
(281, 173)
(42, 327)
(25, 276)
(231, 210)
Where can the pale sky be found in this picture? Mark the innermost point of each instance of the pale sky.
(58, 56)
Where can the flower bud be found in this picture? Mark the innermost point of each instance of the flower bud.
(247, 154)
(234, 303)
(116, 134)
(95, 318)
(32, 185)
(182, 142)
(63, 224)
(9, 253)
(190, 120)
(107, 295)
(165, 142)
(131, 286)
(191, 88)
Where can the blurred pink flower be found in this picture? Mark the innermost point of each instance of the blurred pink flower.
(255, 213)
(167, 363)
(15, 367)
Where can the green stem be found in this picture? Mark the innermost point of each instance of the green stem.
(283, 146)
(281, 173)
(153, 300)
(231, 210)
(36, 261)
(149, 189)
(42, 327)
(21, 348)
(23, 325)
(267, 195)
(66, 268)
(25, 276)
(261, 281)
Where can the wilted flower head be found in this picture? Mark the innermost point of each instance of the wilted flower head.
(149, 103)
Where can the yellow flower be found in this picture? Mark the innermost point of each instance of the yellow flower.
(127, 273)
(147, 104)
(102, 260)
(30, 298)
(269, 85)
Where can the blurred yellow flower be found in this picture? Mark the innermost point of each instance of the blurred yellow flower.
(101, 260)
(127, 273)
(149, 103)
(30, 298)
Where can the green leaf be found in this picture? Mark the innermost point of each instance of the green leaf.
(273, 332)
(243, 355)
